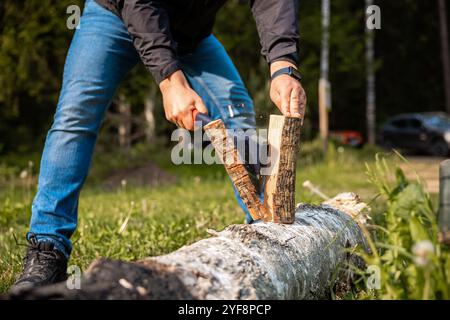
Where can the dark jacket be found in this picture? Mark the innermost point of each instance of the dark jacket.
(161, 29)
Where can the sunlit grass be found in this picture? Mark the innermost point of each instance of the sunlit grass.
(131, 223)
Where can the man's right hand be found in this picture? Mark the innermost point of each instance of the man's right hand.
(180, 100)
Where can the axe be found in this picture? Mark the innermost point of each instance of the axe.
(279, 186)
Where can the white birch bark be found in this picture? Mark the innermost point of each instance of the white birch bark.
(370, 86)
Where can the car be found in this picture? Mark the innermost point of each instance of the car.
(347, 138)
(425, 132)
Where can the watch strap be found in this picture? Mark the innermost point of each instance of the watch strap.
(290, 71)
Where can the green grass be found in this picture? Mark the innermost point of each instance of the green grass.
(406, 255)
(163, 218)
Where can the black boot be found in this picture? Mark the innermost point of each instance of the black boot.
(43, 264)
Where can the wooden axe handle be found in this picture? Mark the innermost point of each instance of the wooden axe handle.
(199, 117)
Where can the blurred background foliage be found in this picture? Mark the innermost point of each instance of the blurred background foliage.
(34, 40)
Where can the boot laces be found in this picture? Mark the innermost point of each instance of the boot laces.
(37, 260)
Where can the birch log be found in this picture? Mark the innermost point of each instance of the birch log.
(259, 261)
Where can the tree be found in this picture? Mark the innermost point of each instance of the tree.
(409, 71)
(445, 51)
(324, 83)
(370, 95)
(33, 42)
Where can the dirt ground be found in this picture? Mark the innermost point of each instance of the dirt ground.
(426, 167)
(146, 175)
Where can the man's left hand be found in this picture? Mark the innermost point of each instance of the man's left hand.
(286, 92)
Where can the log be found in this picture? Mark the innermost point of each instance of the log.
(279, 194)
(228, 154)
(303, 260)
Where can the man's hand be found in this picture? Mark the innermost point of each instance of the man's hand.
(286, 92)
(180, 100)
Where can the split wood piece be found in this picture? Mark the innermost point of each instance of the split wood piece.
(226, 150)
(279, 195)
(444, 207)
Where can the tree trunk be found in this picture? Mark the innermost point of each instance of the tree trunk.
(124, 128)
(324, 83)
(258, 261)
(149, 107)
(444, 202)
(370, 94)
(445, 50)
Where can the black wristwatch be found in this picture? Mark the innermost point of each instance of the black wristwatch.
(290, 71)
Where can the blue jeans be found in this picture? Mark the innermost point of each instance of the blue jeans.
(100, 55)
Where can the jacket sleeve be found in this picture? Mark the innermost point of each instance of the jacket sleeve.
(277, 24)
(148, 24)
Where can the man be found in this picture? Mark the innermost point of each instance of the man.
(174, 41)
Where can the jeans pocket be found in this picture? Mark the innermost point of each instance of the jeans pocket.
(239, 115)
